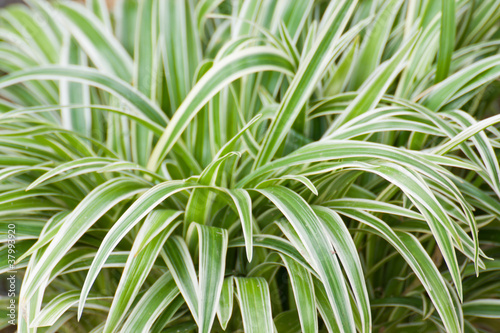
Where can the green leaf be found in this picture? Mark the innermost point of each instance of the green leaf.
(133, 215)
(202, 297)
(447, 39)
(324, 307)
(326, 47)
(93, 163)
(151, 305)
(198, 207)
(374, 88)
(303, 291)
(135, 272)
(421, 264)
(482, 308)
(146, 65)
(277, 244)
(74, 93)
(62, 303)
(90, 209)
(203, 8)
(158, 220)
(375, 41)
(458, 84)
(49, 231)
(346, 250)
(101, 46)
(100, 9)
(225, 308)
(93, 77)
(181, 266)
(212, 261)
(180, 48)
(312, 233)
(255, 304)
(466, 134)
(222, 73)
(243, 204)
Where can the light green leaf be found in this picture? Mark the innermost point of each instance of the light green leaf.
(133, 215)
(202, 297)
(159, 220)
(303, 292)
(374, 88)
(212, 262)
(420, 262)
(327, 46)
(134, 274)
(225, 308)
(101, 46)
(90, 209)
(255, 304)
(458, 84)
(222, 73)
(151, 305)
(62, 303)
(92, 77)
(181, 267)
(482, 308)
(312, 233)
(346, 250)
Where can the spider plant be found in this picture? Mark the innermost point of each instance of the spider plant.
(251, 165)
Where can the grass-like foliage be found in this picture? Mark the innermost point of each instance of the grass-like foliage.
(251, 165)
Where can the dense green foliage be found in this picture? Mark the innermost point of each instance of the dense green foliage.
(251, 165)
